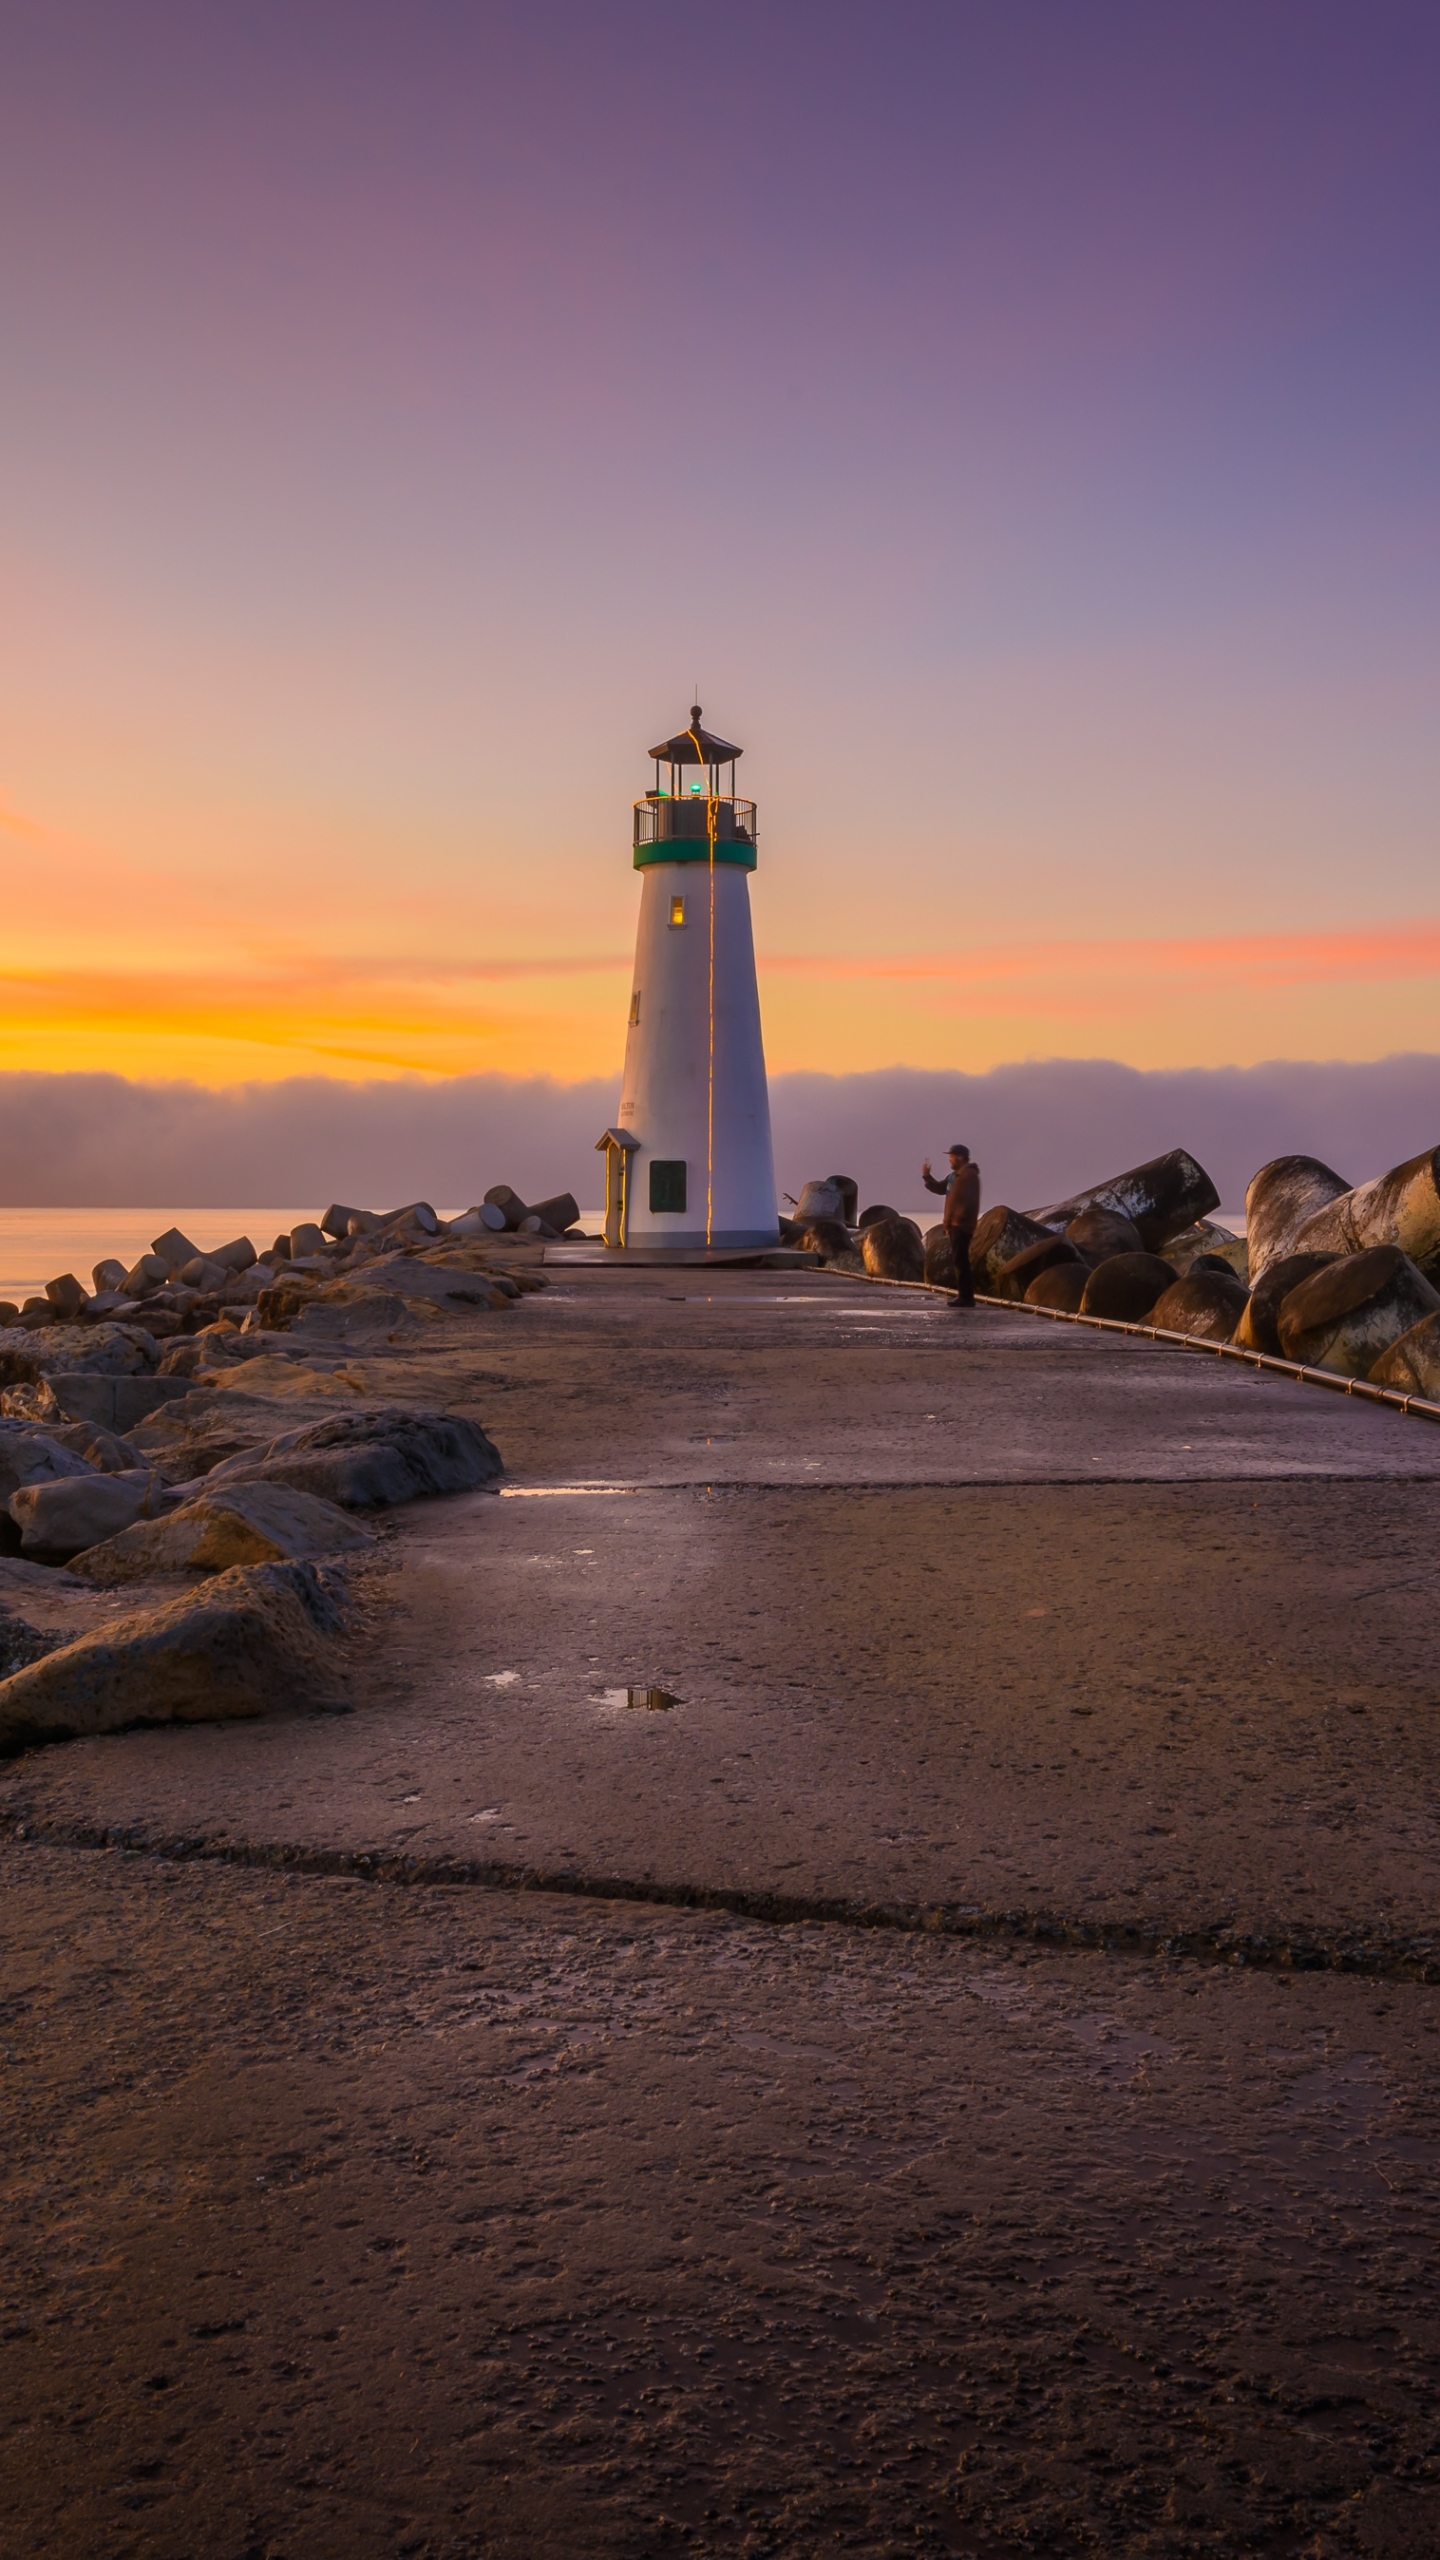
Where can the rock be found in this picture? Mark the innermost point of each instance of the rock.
(1207, 1305)
(369, 1316)
(174, 1249)
(108, 1350)
(1213, 1242)
(892, 1250)
(66, 1295)
(487, 1220)
(100, 1448)
(1399, 1208)
(1097, 1233)
(9, 1312)
(1062, 1286)
(116, 1404)
(35, 1457)
(113, 1306)
(821, 1200)
(442, 1282)
(999, 1236)
(388, 1454)
(1343, 1317)
(1126, 1287)
(872, 1217)
(244, 1524)
(1411, 1365)
(1161, 1198)
(108, 1276)
(256, 1641)
(1278, 1201)
(1013, 1278)
(57, 1519)
(940, 1268)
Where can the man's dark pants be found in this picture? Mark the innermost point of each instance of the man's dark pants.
(960, 1238)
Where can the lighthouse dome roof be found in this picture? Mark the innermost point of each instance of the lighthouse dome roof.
(695, 745)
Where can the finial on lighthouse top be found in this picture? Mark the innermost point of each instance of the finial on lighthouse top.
(695, 745)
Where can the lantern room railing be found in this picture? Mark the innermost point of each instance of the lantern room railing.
(661, 819)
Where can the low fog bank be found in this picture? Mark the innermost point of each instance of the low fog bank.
(1038, 1130)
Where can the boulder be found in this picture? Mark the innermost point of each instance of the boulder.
(1343, 1317)
(1061, 1286)
(1161, 1198)
(9, 1312)
(1278, 1201)
(75, 1395)
(1013, 1278)
(1207, 1305)
(1259, 1327)
(999, 1236)
(108, 1276)
(258, 1640)
(241, 1524)
(1411, 1364)
(387, 1454)
(1097, 1233)
(173, 1249)
(1126, 1287)
(57, 1519)
(1399, 1208)
(892, 1250)
(66, 1295)
(443, 1282)
(35, 1457)
(109, 1350)
(366, 1317)
(98, 1447)
(940, 1268)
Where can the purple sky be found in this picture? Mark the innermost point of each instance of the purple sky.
(1021, 419)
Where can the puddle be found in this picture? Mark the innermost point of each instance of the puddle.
(546, 1492)
(656, 1701)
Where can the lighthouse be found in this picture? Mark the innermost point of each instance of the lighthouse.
(690, 1163)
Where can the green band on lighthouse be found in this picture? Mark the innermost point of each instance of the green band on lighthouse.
(694, 849)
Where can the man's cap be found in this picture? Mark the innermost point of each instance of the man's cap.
(957, 1150)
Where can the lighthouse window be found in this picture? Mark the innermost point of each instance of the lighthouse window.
(667, 1184)
(635, 1006)
(677, 910)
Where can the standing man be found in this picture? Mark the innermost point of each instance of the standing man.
(962, 1211)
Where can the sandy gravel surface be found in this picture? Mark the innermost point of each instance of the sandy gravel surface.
(368, 2217)
(354, 2219)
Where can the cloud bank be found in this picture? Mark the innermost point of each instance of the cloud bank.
(1038, 1129)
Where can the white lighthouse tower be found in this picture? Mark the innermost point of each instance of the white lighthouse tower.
(690, 1163)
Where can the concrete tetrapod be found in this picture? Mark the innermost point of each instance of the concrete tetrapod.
(1343, 1317)
(1401, 1208)
(256, 1641)
(1062, 1286)
(998, 1237)
(1161, 1198)
(1097, 1233)
(1013, 1278)
(1259, 1326)
(1207, 1305)
(892, 1249)
(1126, 1287)
(1411, 1366)
(1278, 1201)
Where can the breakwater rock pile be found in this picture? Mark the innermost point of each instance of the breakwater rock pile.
(228, 1420)
(1329, 1274)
